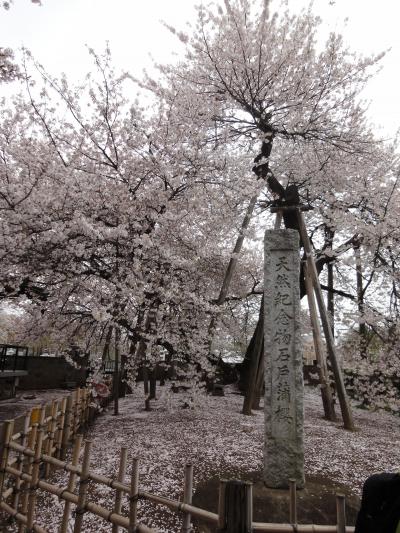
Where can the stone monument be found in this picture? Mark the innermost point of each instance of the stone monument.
(284, 391)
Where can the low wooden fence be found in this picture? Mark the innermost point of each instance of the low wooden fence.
(63, 419)
(29, 456)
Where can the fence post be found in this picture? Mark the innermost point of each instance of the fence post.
(83, 484)
(235, 510)
(341, 513)
(87, 405)
(52, 430)
(21, 459)
(83, 406)
(293, 501)
(221, 525)
(66, 428)
(28, 470)
(133, 496)
(60, 426)
(76, 412)
(71, 483)
(35, 471)
(187, 497)
(121, 478)
(8, 430)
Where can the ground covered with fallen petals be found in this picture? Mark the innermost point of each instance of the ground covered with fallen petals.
(219, 441)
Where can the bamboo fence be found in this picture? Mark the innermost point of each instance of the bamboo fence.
(30, 454)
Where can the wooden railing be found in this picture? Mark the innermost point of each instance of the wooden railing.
(13, 357)
(30, 455)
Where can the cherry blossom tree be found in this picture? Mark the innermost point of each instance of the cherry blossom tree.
(8, 69)
(114, 217)
(9, 3)
(118, 215)
(261, 76)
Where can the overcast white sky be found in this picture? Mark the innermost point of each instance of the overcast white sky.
(57, 32)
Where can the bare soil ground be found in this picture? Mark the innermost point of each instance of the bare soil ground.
(25, 400)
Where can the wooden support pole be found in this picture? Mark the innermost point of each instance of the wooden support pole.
(232, 266)
(187, 498)
(341, 391)
(293, 501)
(8, 431)
(83, 485)
(121, 478)
(236, 251)
(71, 484)
(35, 470)
(326, 392)
(235, 514)
(341, 513)
(133, 496)
(362, 327)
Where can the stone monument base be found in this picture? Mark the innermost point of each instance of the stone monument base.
(316, 503)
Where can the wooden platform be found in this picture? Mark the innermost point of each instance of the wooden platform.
(9, 381)
(6, 374)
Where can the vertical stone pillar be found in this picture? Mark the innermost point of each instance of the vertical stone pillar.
(284, 391)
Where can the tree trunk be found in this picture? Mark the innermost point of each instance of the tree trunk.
(145, 379)
(147, 404)
(247, 361)
(153, 383)
(259, 380)
(162, 375)
(170, 370)
(141, 349)
(255, 355)
(106, 348)
(331, 297)
(122, 375)
(116, 373)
